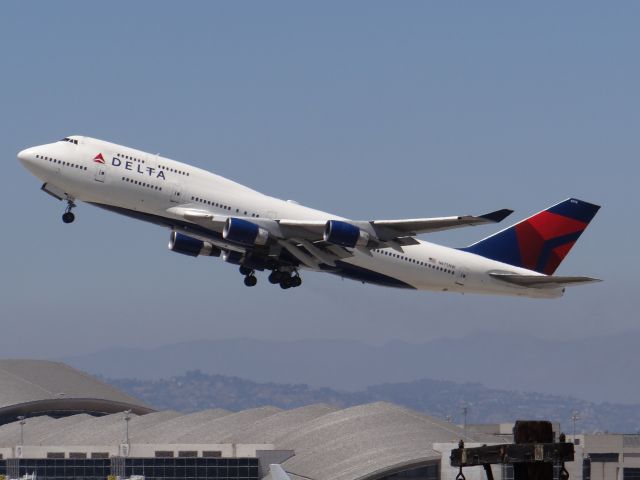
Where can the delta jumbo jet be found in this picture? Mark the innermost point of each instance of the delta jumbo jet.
(212, 216)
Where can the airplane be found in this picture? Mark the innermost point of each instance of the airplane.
(210, 215)
(277, 472)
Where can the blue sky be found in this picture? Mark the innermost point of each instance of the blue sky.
(366, 109)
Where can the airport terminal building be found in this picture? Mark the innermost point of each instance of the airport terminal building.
(62, 424)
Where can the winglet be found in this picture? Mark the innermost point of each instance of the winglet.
(498, 215)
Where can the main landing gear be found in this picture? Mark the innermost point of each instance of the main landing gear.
(285, 279)
(68, 216)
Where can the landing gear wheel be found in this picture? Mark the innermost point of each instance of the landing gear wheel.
(275, 277)
(286, 282)
(296, 281)
(250, 281)
(68, 217)
(245, 270)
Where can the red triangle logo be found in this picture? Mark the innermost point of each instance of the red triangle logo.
(98, 158)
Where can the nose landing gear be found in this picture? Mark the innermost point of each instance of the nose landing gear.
(68, 216)
(250, 279)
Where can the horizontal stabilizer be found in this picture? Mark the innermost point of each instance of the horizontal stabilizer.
(543, 281)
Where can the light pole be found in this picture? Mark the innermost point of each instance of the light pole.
(465, 411)
(22, 422)
(127, 417)
(575, 416)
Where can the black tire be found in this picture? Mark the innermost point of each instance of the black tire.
(275, 277)
(68, 217)
(250, 281)
(286, 282)
(245, 270)
(296, 282)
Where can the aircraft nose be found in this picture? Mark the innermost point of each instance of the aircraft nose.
(25, 155)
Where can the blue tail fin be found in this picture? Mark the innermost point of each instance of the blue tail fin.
(542, 241)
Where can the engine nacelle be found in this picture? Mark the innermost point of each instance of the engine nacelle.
(193, 247)
(232, 257)
(244, 232)
(345, 234)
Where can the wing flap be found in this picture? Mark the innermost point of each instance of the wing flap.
(307, 229)
(543, 281)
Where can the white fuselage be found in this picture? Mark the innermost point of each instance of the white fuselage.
(132, 181)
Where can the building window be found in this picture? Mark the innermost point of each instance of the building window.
(187, 453)
(211, 454)
(604, 457)
(164, 454)
(586, 469)
(631, 474)
(507, 471)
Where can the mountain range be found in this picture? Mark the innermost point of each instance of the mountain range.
(602, 369)
(196, 390)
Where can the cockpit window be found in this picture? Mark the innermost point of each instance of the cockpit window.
(67, 139)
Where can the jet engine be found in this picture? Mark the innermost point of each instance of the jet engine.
(193, 247)
(232, 257)
(345, 234)
(244, 232)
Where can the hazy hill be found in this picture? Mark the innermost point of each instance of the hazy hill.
(598, 369)
(196, 391)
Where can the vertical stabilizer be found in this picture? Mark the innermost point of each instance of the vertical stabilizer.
(542, 241)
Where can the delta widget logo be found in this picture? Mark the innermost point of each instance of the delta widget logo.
(99, 159)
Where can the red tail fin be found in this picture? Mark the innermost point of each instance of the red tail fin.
(542, 241)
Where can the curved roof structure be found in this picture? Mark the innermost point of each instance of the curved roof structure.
(38, 387)
(165, 432)
(366, 442)
(270, 429)
(219, 428)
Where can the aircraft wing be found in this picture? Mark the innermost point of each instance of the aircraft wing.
(201, 217)
(304, 239)
(543, 281)
(390, 229)
(278, 473)
(386, 230)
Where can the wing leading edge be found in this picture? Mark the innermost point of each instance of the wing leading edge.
(390, 229)
(307, 240)
(313, 230)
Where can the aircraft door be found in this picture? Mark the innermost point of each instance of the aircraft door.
(100, 173)
(176, 193)
(461, 276)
